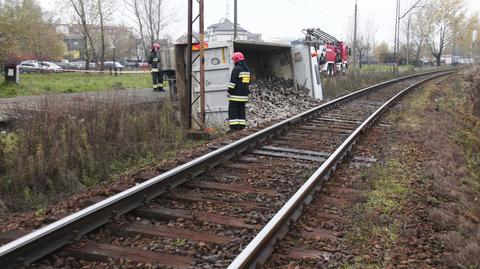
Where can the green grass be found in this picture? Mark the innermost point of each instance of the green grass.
(382, 68)
(376, 220)
(36, 84)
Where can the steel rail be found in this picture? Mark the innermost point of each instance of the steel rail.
(261, 246)
(45, 240)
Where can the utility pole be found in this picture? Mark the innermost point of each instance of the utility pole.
(395, 45)
(189, 61)
(202, 63)
(408, 39)
(355, 36)
(235, 20)
(200, 57)
(408, 28)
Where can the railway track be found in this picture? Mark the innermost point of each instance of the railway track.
(224, 209)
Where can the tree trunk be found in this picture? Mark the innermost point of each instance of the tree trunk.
(87, 52)
(102, 35)
(417, 55)
(138, 16)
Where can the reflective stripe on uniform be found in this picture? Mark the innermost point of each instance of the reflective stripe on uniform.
(237, 122)
(154, 70)
(231, 85)
(237, 98)
(245, 76)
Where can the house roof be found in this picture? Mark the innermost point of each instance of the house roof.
(225, 26)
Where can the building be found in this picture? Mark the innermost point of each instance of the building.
(223, 31)
(122, 37)
(73, 41)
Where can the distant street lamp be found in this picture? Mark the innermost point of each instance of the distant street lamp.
(474, 40)
(114, 60)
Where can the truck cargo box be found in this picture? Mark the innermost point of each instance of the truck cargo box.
(264, 60)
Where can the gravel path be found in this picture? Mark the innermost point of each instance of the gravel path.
(8, 105)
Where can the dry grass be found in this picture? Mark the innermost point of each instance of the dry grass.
(65, 147)
(454, 170)
(439, 165)
(355, 80)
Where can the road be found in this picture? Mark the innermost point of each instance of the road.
(8, 106)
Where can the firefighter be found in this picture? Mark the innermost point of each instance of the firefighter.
(238, 93)
(157, 74)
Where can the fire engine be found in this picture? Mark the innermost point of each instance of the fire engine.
(331, 53)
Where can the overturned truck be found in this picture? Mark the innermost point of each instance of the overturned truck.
(264, 59)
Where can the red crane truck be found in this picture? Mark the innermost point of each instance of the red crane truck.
(331, 53)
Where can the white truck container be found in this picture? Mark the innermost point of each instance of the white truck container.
(263, 59)
(307, 71)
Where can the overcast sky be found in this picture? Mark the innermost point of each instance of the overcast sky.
(286, 18)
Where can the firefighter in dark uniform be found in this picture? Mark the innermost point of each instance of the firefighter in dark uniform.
(238, 93)
(157, 74)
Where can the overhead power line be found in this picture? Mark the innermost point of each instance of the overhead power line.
(410, 9)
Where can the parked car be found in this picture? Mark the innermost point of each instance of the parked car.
(50, 67)
(30, 66)
(144, 65)
(65, 65)
(129, 64)
(110, 64)
(81, 65)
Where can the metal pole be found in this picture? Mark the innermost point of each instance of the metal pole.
(453, 51)
(395, 46)
(408, 39)
(189, 60)
(355, 37)
(474, 40)
(202, 63)
(114, 61)
(235, 20)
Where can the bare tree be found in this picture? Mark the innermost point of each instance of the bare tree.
(104, 11)
(85, 11)
(151, 19)
(365, 40)
(444, 20)
(102, 33)
(418, 34)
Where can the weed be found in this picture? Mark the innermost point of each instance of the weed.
(64, 147)
(355, 79)
(178, 242)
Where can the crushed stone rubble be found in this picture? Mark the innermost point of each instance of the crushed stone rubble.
(275, 98)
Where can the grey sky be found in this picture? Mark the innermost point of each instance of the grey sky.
(286, 18)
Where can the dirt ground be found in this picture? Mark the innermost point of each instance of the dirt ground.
(420, 205)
